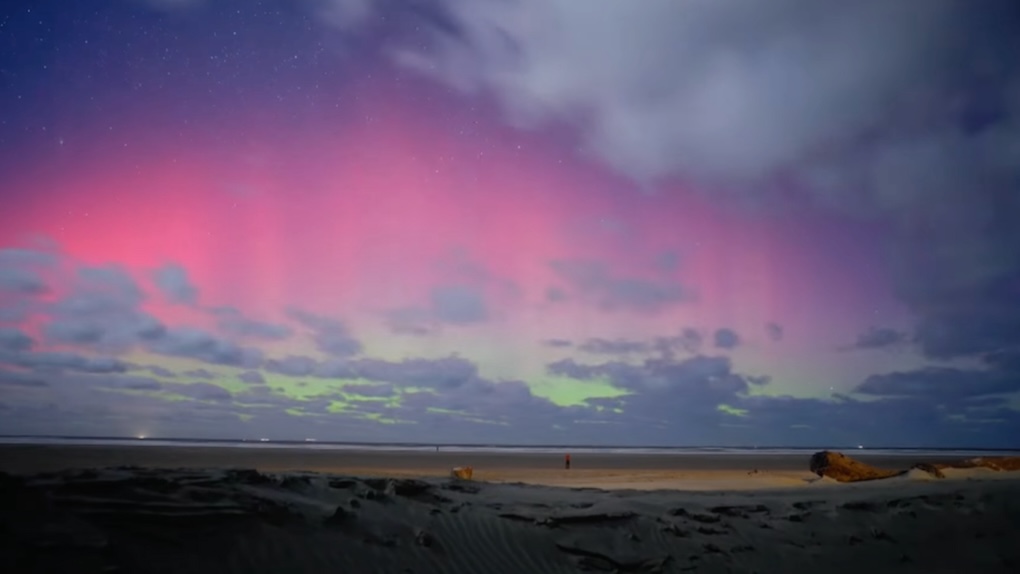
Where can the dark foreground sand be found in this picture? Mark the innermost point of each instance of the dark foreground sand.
(214, 519)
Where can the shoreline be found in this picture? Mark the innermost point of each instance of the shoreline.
(607, 471)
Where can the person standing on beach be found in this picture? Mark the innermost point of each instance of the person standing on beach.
(566, 461)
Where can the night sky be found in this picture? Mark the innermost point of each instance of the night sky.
(666, 222)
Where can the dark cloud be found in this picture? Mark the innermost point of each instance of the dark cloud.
(774, 331)
(365, 390)
(199, 345)
(674, 398)
(161, 371)
(112, 286)
(599, 346)
(459, 304)
(131, 383)
(331, 336)
(21, 271)
(879, 338)
(14, 340)
(233, 322)
(292, 366)
(24, 380)
(1007, 361)
(252, 377)
(172, 280)
(595, 281)
(689, 340)
(21, 281)
(57, 362)
(969, 324)
(102, 310)
(941, 383)
(199, 374)
(445, 373)
(700, 375)
(726, 338)
(335, 369)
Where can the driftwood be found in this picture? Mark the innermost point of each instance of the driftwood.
(842, 468)
(462, 472)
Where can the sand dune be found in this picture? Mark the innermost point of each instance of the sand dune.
(227, 520)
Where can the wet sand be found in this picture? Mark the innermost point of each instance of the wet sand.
(495, 466)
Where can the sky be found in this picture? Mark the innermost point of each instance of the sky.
(588, 222)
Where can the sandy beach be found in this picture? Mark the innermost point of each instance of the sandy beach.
(172, 509)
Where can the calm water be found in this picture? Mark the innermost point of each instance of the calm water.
(322, 445)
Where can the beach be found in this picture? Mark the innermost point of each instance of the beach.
(200, 509)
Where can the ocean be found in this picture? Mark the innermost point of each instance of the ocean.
(309, 444)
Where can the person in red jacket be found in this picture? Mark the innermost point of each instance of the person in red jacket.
(566, 462)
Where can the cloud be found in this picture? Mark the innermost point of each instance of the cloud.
(21, 271)
(14, 340)
(459, 304)
(445, 373)
(252, 377)
(233, 322)
(751, 89)
(102, 310)
(971, 322)
(595, 281)
(161, 371)
(132, 383)
(199, 374)
(726, 338)
(24, 380)
(50, 361)
(691, 340)
(172, 280)
(331, 336)
(191, 343)
(613, 347)
(292, 365)
(699, 375)
(879, 338)
(21, 281)
(917, 127)
(941, 383)
(774, 331)
(363, 390)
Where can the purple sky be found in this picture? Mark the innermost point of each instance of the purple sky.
(520, 221)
